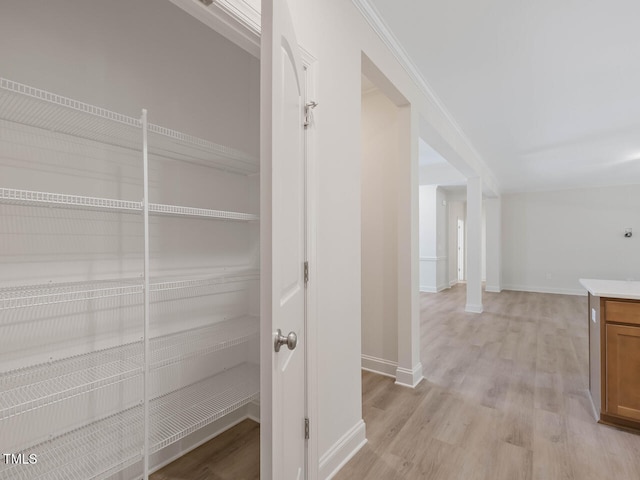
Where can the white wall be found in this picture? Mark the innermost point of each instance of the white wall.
(493, 242)
(434, 221)
(379, 233)
(442, 235)
(456, 211)
(552, 239)
(483, 245)
(124, 56)
(427, 202)
(440, 174)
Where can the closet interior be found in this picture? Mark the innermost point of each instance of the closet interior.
(129, 286)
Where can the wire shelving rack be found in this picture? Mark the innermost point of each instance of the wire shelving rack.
(106, 446)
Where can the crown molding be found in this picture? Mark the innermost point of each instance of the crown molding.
(245, 13)
(236, 20)
(374, 19)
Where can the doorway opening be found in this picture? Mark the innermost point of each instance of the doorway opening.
(388, 323)
(379, 230)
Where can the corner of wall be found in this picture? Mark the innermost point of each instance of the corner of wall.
(342, 451)
(409, 378)
(379, 365)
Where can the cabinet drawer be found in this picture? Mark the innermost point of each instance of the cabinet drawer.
(623, 312)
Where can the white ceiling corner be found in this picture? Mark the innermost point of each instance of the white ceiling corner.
(377, 22)
(547, 92)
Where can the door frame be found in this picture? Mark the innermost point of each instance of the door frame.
(240, 23)
(310, 64)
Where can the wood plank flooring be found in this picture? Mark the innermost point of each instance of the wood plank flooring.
(504, 398)
(233, 455)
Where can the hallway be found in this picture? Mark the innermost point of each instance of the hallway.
(504, 398)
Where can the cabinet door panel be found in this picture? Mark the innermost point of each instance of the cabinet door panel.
(623, 371)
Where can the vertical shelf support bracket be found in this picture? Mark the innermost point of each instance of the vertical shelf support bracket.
(147, 358)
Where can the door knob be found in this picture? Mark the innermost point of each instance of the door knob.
(290, 340)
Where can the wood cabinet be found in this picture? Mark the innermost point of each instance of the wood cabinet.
(614, 360)
(623, 370)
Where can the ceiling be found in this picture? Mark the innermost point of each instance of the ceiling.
(547, 92)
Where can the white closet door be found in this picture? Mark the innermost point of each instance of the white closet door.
(283, 171)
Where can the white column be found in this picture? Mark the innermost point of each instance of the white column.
(474, 245)
(494, 244)
(409, 371)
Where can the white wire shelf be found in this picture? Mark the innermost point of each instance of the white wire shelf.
(104, 447)
(175, 145)
(38, 108)
(95, 451)
(50, 294)
(41, 199)
(232, 276)
(37, 386)
(179, 413)
(62, 200)
(161, 209)
(175, 348)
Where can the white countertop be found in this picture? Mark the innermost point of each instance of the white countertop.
(612, 288)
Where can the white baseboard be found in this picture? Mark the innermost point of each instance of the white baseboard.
(439, 288)
(342, 451)
(409, 378)
(473, 308)
(452, 283)
(379, 365)
(426, 289)
(493, 289)
(557, 291)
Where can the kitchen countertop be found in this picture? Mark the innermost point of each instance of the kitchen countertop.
(612, 288)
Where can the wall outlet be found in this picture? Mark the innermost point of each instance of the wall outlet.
(549, 276)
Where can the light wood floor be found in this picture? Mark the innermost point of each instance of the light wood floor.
(234, 455)
(504, 398)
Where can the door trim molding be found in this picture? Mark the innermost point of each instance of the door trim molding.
(311, 191)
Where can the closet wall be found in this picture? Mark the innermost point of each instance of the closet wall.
(73, 279)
